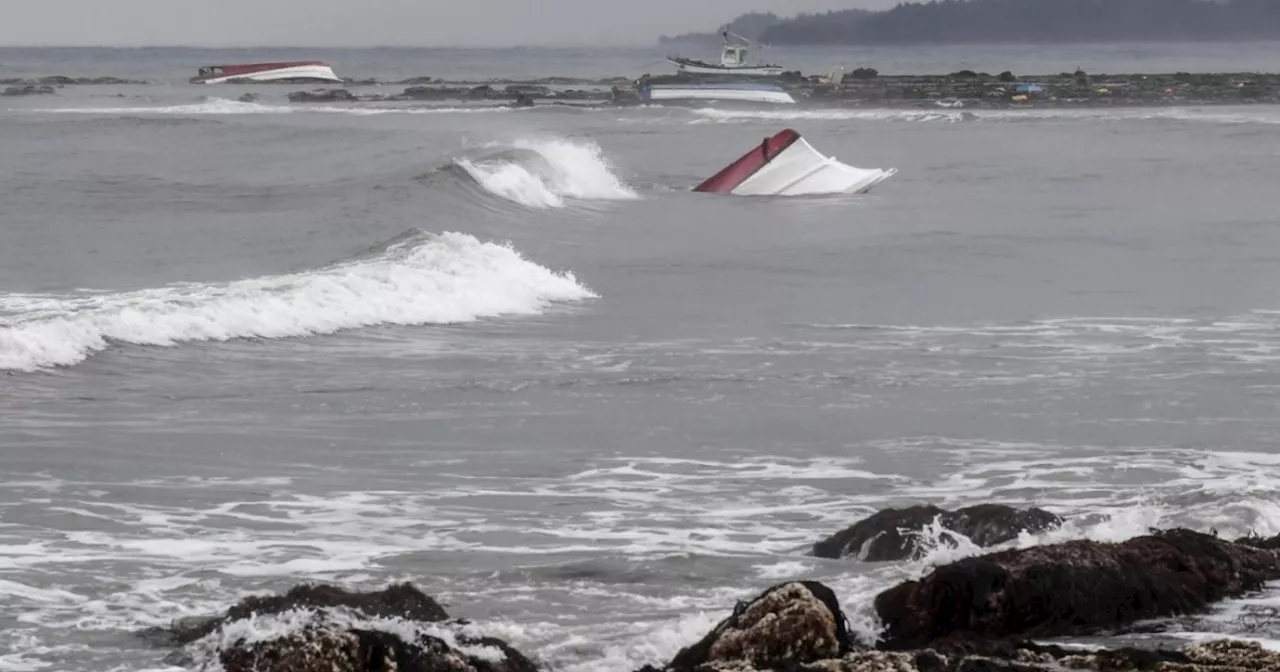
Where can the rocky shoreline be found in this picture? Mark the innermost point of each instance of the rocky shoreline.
(860, 88)
(978, 614)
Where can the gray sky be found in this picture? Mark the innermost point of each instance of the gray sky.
(373, 22)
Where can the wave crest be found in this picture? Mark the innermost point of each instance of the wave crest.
(420, 278)
(544, 173)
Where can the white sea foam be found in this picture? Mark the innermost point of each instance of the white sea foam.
(427, 279)
(1210, 115)
(549, 172)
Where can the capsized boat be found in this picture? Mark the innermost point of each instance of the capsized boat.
(751, 93)
(733, 61)
(292, 71)
(787, 165)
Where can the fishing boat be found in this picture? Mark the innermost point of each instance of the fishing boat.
(787, 165)
(738, 92)
(733, 61)
(294, 71)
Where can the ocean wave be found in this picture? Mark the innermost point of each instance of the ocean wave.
(1225, 115)
(421, 278)
(544, 173)
(223, 106)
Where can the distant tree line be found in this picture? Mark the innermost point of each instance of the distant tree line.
(750, 26)
(960, 21)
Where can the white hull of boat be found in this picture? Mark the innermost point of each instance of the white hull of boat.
(309, 72)
(801, 170)
(660, 93)
(741, 71)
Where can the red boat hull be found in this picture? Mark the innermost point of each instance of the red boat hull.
(737, 172)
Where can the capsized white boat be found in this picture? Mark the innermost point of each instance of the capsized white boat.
(733, 61)
(752, 93)
(787, 165)
(293, 71)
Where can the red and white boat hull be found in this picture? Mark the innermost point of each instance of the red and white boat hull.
(787, 165)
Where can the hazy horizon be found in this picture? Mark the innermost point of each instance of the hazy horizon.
(381, 23)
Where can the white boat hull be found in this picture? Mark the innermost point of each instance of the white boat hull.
(786, 165)
(741, 71)
(322, 73)
(801, 170)
(660, 93)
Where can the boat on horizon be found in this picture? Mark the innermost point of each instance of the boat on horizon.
(285, 72)
(733, 61)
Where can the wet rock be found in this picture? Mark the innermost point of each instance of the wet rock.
(1272, 544)
(322, 96)
(400, 600)
(896, 534)
(248, 98)
(797, 622)
(331, 649)
(28, 90)
(1071, 588)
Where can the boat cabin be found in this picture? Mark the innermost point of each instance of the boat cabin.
(733, 55)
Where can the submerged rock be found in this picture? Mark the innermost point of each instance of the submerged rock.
(401, 600)
(1071, 588)
(332, 649)
(896, 534)
(322, 96)
(28, 90)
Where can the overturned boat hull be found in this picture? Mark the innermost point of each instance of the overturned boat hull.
(787, 165)
(301, 71)
(751, 93)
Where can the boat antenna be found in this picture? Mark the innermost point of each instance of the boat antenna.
(729, 33)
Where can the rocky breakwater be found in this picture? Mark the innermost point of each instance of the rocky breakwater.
(866, 87)
(973, 89)
(970, 616)
(60, 80)
(425, 89)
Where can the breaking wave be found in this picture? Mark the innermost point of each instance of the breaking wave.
(544, 173)
(419, 278)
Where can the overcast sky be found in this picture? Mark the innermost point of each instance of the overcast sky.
(376, 22)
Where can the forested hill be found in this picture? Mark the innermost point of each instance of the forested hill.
(959, 21)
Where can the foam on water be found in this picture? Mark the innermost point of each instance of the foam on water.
(952, 114)
(423, 279)
(550, 171)
(761, 513)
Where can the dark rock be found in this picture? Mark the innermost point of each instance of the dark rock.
(28, 90)
(322, 649)
(1272, 544)
(1071, 588)
(895, 534)
(248, 97)
(322, 96)
(797, 622)
(401, 600)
